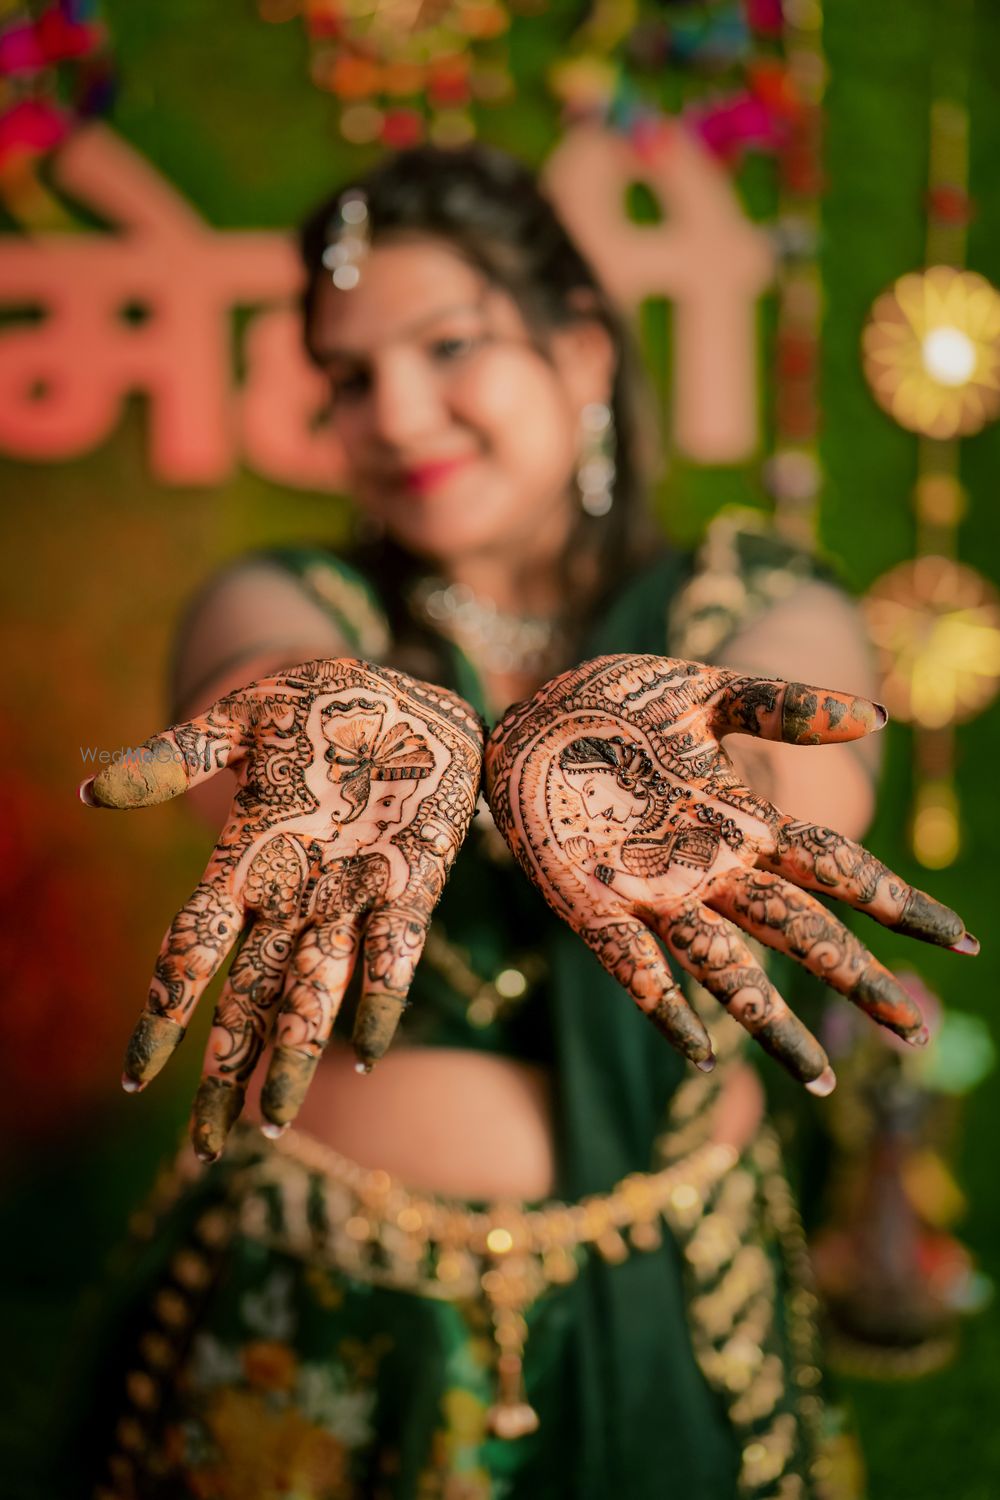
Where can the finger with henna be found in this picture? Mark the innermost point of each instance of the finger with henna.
(239, 1032)
(821, 859)
(793, 712)
(192, 952)
(394, 941)
(318, 976)
(712, 951)
(167, 764)
(629, 953)
(793, 922)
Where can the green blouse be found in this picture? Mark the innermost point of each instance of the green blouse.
(502, 974)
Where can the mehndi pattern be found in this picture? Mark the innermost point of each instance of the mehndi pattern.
(355, 788)
(616, 796)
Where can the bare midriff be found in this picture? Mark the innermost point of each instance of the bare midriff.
(464, 1123)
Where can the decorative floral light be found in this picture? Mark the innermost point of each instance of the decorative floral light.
(404, 70)
(55, 73)
(936, 625)
(932, 352)
(742, 97)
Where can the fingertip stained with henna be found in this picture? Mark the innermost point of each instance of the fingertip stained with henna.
(285, 1087)
(923, 917)
(217, 1106)
(881, 995)
(153, 1041)
(375, 1026)
(141, 783)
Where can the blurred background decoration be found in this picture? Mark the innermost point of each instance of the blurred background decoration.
(931, 352)
(55, 72)
(799, 204)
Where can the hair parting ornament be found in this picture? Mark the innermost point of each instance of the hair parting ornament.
(349, 240)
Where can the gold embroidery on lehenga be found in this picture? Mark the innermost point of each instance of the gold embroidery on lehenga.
(300, 1197)
(174, 1311)
(374, 1228)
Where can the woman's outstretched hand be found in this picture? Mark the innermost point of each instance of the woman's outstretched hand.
(615, 795)
(356, 787)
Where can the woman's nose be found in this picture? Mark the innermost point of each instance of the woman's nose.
(406, 406)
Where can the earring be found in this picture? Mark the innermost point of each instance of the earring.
(595, 474)
(348, 240)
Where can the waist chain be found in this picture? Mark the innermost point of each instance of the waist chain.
(307, 1200)
(751, 1309)
(302, 1197)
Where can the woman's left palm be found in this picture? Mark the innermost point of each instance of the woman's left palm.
(615, 795)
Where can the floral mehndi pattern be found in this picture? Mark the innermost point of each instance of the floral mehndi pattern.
(614, 792)
(355, 789)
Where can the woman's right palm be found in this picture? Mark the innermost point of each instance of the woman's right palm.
(356, 787)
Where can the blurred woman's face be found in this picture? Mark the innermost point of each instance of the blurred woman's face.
(459, 435)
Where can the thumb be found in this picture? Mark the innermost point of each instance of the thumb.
(166, 764)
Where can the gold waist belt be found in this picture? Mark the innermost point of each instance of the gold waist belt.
(308, 1200)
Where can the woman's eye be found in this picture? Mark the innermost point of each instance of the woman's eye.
(454, 348)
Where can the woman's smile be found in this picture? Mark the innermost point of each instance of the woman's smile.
(424, 478)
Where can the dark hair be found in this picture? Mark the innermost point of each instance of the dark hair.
(489, 207)
(630, 764)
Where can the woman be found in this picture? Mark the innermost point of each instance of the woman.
(316, 1317)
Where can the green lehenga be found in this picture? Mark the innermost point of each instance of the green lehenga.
(296, 1326)
(308, 1333)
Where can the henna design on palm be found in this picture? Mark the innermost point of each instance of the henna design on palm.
(616, 796)
(355, 789)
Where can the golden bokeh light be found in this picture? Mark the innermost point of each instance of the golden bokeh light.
(936, 625)
(931, 352)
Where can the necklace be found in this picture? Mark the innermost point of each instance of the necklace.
(497, 641)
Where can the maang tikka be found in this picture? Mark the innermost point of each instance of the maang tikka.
(349, 240)
(595, 472)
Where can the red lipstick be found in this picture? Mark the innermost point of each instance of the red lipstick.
(422, 478)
